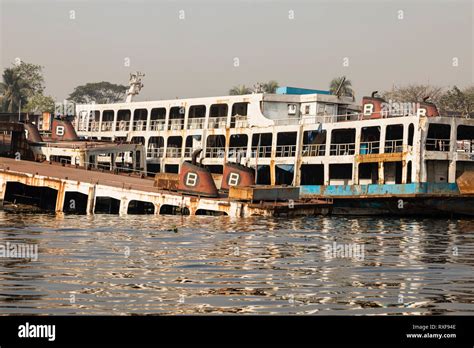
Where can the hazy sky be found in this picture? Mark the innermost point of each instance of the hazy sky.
(195, 56)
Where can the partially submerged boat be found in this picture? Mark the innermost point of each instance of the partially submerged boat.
(382, 157)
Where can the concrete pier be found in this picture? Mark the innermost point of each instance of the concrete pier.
(80, 191)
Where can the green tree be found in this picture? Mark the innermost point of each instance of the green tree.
(32, 74)
(270, 86)
(22, 82)
(40, 103)
(341, 86)
(98, 92)
(457, 101)
(14, 90)
(240, 90)
(414, 93)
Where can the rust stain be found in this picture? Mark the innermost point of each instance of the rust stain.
(227, 141)
(166, 181)
(91, 200)
(60, 197)
(381, 157)
(272, 171)
(466, 183)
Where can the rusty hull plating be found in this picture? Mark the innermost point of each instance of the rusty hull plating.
(33, 135)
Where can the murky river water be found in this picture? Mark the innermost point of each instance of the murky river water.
(196, 265)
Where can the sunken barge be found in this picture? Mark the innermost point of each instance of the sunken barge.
(64, 174)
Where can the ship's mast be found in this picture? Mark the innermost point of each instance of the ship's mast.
(135, 83)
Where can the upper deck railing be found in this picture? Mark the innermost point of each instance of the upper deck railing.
(196, 123)
(188, 151)
(315, 119)
(314, 150)
(107, 126)
(393, 146)
(173, 152)
(139, 125)
(215, 152)
(176, 124)
(155, 152)
(158, 125)
(217, 122)
(342, 149)
(285, 151)
(237, 151)
(466, 146)
(122, 125)
(369, 147)
(94, 126)
(261, 151)
(236, 121)
(239, 122)
(438, 144)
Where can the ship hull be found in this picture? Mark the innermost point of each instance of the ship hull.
(412, 206)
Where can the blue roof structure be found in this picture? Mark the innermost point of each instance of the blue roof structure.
(298, 91)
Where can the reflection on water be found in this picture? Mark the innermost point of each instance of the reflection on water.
(139, 265)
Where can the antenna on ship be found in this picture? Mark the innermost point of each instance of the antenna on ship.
(135, 83)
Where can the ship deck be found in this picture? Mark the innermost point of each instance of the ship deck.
(71, 182)
(58, 171)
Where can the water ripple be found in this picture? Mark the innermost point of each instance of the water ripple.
(140, 265)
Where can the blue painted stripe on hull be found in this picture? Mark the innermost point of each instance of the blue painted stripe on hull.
(377, 190)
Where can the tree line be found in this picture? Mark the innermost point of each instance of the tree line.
(449, 101)
(22, 87)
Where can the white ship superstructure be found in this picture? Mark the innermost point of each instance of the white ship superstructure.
(304, 139)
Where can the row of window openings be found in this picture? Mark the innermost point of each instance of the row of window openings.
(438, 135)
(340, 173)
(197, 114)
(109, 205)
(343, 142)
(439, 138)
(371, 173)
(368, 173)
(314, 143)
(313, 174)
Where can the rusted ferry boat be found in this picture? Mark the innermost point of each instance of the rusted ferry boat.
(381, 157)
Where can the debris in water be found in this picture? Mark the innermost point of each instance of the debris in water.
(174, 229)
